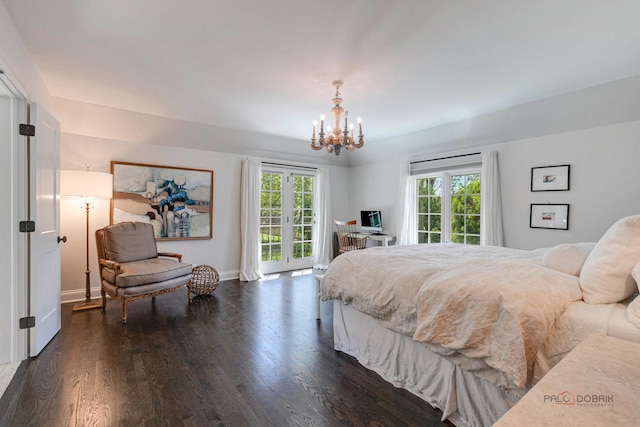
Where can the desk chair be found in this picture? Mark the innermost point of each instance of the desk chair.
(348, 238)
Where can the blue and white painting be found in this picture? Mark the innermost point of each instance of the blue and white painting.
(178, 202)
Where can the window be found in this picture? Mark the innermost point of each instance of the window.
(286, 219)
(271, 217)
(447, 207)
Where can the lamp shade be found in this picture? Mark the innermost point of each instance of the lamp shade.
(97, 185)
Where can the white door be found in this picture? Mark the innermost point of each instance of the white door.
(286, 219)
(45, 210)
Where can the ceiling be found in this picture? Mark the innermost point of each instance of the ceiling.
(267, 66)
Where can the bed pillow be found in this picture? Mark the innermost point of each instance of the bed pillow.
(568, 258)
(606, 274)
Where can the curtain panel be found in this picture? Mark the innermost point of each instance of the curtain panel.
(250, 220)
(491, 230)
(406, 233)
(323, 227)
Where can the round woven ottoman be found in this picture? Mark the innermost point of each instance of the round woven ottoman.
(204, 280)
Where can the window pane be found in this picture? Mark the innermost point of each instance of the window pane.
(473, 240)
(422, 187)
(264, 234)
(276, 182)
(276, 253)
(457, 204)
(457, 238)
(473, 224)
(436, 187)
(423, 222)
(266, 253)
(435, 237)
(308, 201)
(435, 222)
(423, 204)
(297, 250)
(423, 237)
(457, 224)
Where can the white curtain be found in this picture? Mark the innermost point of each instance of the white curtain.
(250, 220)
(491, 233)
(323, 229)
(405, 227)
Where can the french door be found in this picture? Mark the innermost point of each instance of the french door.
(286, 219)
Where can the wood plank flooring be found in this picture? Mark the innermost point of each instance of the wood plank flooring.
(252, 354)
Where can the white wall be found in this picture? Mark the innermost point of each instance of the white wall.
(604, 183)
(222, 251)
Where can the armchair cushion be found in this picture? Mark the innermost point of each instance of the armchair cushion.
(128, 241)
(148, 271)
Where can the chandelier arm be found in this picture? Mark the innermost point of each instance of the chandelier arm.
(360, 143)
(314, 146)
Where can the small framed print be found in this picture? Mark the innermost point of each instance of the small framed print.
(550, 178)
(549, 216)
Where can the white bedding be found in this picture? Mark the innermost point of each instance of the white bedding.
(383, 282)
(492, 316)
(465, 399)
(486, 309)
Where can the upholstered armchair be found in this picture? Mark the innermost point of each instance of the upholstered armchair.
(131, 266)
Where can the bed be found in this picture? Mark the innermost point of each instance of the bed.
(471, 329)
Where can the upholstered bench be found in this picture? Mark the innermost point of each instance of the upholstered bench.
(131, 266)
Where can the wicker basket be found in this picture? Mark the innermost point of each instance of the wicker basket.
(204, 280)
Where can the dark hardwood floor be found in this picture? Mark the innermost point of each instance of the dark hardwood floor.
(252, 354)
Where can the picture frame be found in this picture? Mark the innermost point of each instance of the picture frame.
(550, 178)
(177, 201)
(551, 216)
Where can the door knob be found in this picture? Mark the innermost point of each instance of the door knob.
(62, 239)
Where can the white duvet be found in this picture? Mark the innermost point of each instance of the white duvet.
(487, 309)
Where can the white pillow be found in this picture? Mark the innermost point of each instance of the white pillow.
(568, 258)
(606, 274)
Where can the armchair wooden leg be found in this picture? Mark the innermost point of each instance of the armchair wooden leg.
(189, 287)
(104, 299)
(124, 310)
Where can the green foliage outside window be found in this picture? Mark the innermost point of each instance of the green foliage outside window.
(464, 206)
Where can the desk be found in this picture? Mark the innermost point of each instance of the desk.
(597, 383)
(384, 238)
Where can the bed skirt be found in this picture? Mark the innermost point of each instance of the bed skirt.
(465, 399)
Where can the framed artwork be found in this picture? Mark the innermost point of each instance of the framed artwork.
(549, 216)
(178, 202)
(550, 178)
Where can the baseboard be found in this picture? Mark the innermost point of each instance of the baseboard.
(76, 295)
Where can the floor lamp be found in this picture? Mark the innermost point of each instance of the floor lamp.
(87, 186)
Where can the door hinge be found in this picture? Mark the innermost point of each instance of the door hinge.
(27, 226)
(27, 130)
(27, 322)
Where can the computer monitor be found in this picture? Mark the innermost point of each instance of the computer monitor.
(371, 221)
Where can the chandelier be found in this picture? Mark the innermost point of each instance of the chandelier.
(335, 139)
